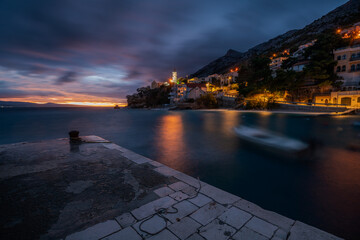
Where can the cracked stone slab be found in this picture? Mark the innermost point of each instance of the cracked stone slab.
(189, 190)
(127, 233)
(235, 217)
(184, 228)
(217, 230)
(164, 191)
(95, 232)
(302, 231)
(179, 196)
(150, 208)
(208, 213)
(260, 226)
(246, 233)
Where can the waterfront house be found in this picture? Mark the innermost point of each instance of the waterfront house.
(347, 98)
(299, 67)
(348, 66)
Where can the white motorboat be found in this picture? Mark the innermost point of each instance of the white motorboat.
(269, 139)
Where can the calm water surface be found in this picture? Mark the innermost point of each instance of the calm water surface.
(323, 191)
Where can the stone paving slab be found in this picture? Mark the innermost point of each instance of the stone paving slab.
(125, 220)
(208, 213)
(178, 186)
(166, 171)
(235, 217)
(184, 228)
(179, 196)
(200, 200)
(217, 230)
(264, 228)
(164, 191)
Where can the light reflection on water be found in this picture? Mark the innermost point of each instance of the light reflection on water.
(324, 192)
(170, 141)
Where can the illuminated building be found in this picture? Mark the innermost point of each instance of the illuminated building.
(346, 98)
(348, 66)
(299, 53)
(276, 63)
(351, 32)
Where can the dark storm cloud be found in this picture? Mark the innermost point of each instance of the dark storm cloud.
(142, 40)
(67, 77)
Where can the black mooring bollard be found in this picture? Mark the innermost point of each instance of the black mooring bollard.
(74, 136)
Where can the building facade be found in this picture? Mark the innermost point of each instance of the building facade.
(343, 98)
(348, 66)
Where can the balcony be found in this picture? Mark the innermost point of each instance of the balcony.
(354, 58)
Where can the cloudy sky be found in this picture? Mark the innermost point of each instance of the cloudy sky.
(99, 51)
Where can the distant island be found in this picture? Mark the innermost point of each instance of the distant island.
(6, 104)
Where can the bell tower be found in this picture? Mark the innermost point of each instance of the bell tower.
(174, 76)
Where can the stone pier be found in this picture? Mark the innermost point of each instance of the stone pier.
(99, 190)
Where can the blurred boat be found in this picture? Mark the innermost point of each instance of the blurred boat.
(356, 124)
(269, 139)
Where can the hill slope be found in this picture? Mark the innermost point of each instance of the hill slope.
(342, 16)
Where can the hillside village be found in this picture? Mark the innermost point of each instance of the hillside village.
(297, 68)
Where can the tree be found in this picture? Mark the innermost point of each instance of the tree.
(322, 63)
(207, 100)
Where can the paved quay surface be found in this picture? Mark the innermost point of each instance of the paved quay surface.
(99, 190)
